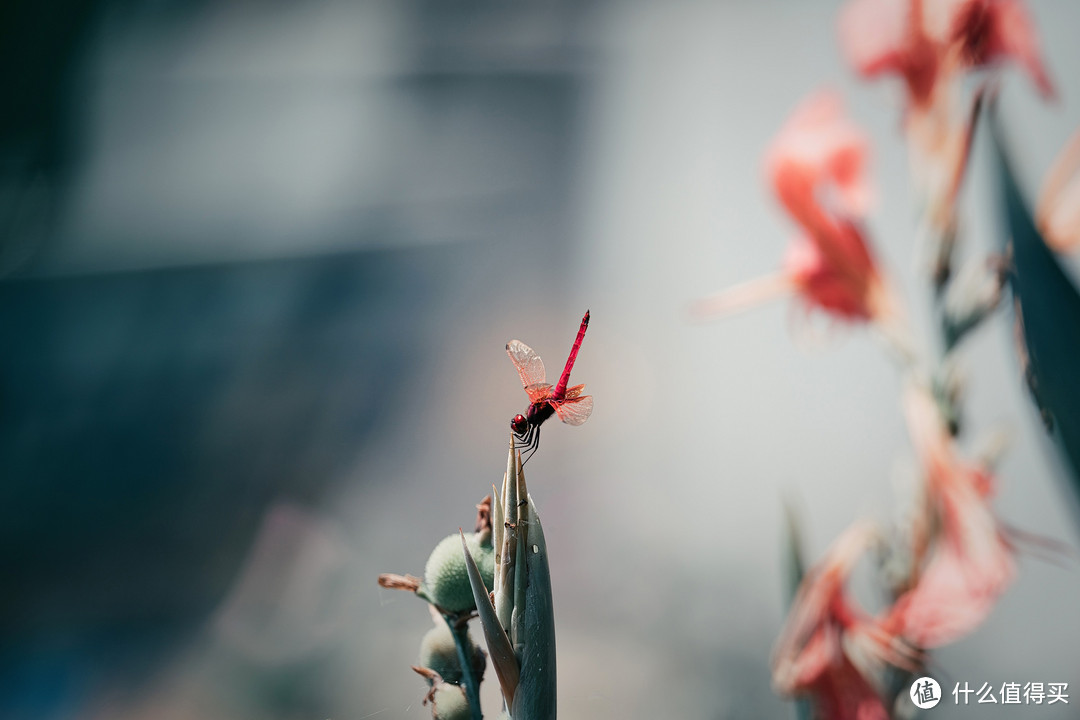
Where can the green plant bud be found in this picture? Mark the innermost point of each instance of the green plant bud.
(439, 653)
(448, 703)
(446, 582)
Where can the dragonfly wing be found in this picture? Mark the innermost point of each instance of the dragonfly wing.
(575, 411)
(538, 392)
(574, 392)
(529, 365)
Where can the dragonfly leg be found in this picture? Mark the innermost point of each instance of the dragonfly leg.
(524, 439)
(533, 444)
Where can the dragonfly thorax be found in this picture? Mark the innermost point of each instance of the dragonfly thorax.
(538, 412)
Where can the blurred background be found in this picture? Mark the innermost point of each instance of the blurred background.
(258, 264)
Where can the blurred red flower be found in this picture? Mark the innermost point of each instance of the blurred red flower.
(970, 560)
(984, 33)
(817, 168)
(881, 37)
(930, 44)
(829, 647)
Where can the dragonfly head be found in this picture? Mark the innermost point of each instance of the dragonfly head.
(519, 424)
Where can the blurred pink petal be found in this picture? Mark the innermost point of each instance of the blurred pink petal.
(806, 271)
(989, 32)
(743, 296)
(927, 42)
(823, 285)
(818, 159)
(969, 569)
(930, 44)
(844, 693)
(817, 166)
(1058, 213)
(971, 561)
(889, 37)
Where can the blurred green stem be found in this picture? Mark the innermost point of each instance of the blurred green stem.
(459, 628)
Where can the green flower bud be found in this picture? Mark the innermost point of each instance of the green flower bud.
(439, 653)
(448, 703)
(446, 582)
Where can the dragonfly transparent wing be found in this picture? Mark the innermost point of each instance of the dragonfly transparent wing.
(529, 365)
(538, 392)
(574, 411)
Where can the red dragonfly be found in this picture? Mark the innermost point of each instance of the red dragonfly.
(568, 403)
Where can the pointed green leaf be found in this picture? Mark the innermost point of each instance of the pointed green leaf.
(794, 557)
(1048, 309)
(504, 576)
(521, 569)
(499, 649)
(535, 699)
(497, 528)
(796, 568)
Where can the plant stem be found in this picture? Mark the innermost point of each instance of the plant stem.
(459, 628)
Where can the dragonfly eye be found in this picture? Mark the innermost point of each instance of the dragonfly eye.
(519, 424)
